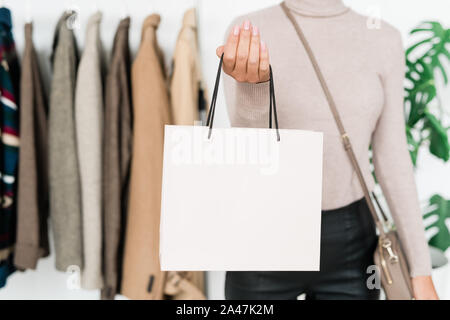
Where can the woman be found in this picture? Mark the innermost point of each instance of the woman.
(364, 68)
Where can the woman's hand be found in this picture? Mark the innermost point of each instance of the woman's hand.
(245, 57)
(423, 288)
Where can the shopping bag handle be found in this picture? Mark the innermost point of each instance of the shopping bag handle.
(272, 102)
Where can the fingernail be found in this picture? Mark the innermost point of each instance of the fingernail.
(247, 25)
(263, 46)
(255, 30)
(236, 30)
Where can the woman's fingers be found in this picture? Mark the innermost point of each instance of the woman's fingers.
(264, 73)
(229, 51)
(240, 68)
(253, 57)
(245, 56)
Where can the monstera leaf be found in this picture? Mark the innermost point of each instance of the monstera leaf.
(413, 145)
(436, 38)
(423, 60)
(424, 113)
(439, 145)
(422, 91)
(440, 208)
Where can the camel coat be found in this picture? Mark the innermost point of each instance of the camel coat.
(187, 93)
(187, 89)
(142, 275)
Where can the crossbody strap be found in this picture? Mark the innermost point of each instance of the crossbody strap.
(337, 118)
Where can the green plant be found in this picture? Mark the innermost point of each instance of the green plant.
(439, 208)
(424, 112)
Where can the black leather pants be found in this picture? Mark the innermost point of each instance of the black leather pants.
(348, 241)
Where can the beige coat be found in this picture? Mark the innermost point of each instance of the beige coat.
(187, 96)
(187, 90)
(88, 122)
(142, 275)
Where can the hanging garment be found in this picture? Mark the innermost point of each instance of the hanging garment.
(142, 277)
(9, 100)
(88, 121)
(65, 211)
(187, 90)
(32, 192)
(116, 159)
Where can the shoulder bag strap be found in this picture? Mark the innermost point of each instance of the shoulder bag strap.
(344, 135)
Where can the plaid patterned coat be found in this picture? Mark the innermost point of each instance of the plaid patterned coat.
(9, 144)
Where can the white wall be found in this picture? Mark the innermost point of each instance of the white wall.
(215, 15)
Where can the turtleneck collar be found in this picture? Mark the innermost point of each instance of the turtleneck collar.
(317, 8)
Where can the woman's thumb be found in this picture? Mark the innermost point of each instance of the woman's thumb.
(219, 51)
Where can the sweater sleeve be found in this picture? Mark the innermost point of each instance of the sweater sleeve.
(247, 103)
(393, 165)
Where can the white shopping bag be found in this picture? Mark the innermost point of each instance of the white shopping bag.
(241, 199)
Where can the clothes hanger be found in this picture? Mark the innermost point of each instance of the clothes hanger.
(72, 12)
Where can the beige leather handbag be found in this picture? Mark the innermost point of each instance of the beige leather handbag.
(389, 256)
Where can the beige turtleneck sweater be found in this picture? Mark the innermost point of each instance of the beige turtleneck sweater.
(364, 69)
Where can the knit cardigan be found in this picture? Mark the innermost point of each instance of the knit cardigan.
(65, 211)
(32, 205)
(116, 159)
(89, 119)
